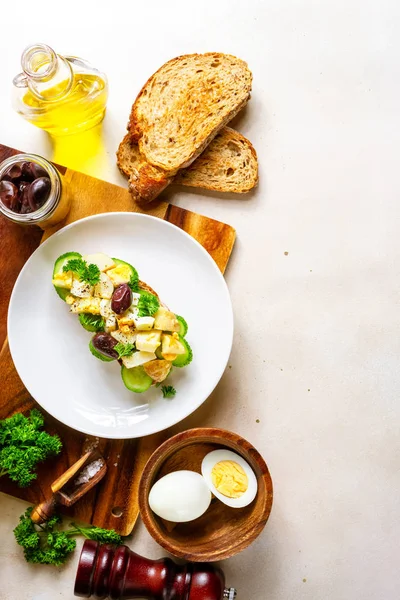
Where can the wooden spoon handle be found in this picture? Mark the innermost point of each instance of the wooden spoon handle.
(43, 511)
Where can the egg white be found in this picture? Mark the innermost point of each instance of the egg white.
(180, 496)
(209, 462)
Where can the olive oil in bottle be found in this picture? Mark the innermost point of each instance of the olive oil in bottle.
(60, 94)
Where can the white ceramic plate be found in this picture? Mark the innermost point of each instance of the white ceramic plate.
(50, 350)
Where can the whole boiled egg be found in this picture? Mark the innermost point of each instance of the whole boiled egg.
(230, 478)
(180, 496)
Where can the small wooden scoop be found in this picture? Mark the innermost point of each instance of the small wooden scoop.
(65, 491)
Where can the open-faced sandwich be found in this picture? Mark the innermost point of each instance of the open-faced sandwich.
(129, 322)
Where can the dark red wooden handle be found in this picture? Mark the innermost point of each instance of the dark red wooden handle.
(118, 573)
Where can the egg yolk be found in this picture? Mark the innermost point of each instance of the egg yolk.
(229, 478)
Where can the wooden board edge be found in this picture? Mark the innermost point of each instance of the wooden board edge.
(216, 237)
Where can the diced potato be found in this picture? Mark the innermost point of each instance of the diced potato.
(81, 289)
(125, 338)
(165, 320)
(120, 274)
(158, 369)
(105, 307)
(137, 358)
(144, 323)
(103, 261)
(63, 280)
(86, 305)
(148, 341)
(110, 324)
(105, 288)
(171, 345)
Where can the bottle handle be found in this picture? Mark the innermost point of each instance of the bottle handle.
(20, 80)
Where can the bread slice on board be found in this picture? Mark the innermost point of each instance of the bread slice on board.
(228, 164)
(180, 110)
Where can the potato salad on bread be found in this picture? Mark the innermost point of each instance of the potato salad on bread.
(129, 323)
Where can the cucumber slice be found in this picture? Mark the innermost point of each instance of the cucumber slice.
(97, 354)
(62, 292)
(118, 262)
(62, 260)
(136, 379)
(183, 359)
(183, 326)
(91, 322)
(58, 268)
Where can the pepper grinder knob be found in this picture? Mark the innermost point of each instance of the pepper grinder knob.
(229, 594)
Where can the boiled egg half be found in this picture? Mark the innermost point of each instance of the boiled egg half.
(180, 496)
(230, 478)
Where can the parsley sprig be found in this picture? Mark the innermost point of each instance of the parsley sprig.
(47, 544)
(23, 444)
(89, 273)
(148, 304)
(124, 349)
(134, 282)
(168, 391)
(92, 322)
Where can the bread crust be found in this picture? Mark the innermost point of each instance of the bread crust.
(145, 184)
(209, 171)
(134, 123)
(200, 173)
(148, 181)
(144, 286)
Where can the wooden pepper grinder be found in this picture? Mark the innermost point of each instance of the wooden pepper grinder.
(120, 574)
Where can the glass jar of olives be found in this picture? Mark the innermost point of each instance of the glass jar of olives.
(32, 191)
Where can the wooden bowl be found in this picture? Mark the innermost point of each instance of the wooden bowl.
(222, 531)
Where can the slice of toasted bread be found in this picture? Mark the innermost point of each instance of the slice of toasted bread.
(228, 164)
(179, 111)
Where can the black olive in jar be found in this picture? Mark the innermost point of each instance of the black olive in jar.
(8, 192)
(39, 191)
(32, 171)
(25, 187)
(13, 174)
(25, 206)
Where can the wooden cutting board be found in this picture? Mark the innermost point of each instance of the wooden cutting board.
(113, 502)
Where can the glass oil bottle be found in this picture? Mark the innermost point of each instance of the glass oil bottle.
(60, 94)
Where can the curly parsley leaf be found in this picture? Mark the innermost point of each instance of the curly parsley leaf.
(77, 266)
(168, 391)
(134, 282)
(47, 544)
(124, 349)
(89, 273)
(91, 322)
(23, 444)
(93, 274)
(148, 304)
